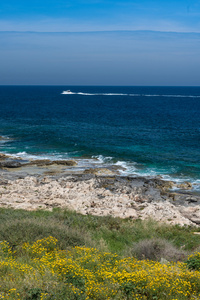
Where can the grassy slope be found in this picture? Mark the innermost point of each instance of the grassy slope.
(104, 233)
(33, 267)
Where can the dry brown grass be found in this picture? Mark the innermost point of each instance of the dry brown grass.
(156, 248)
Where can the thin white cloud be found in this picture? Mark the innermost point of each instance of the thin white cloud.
(46, 24)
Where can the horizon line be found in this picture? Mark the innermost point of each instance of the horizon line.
(99, 85)
(100, 31)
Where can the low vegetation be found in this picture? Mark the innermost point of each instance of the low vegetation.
(64, 255)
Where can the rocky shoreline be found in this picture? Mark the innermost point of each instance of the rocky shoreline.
(45, 184)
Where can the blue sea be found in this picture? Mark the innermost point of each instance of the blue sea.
(148, 131)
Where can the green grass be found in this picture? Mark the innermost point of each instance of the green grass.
(104, 233)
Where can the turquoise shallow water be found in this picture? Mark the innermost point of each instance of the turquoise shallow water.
(147, 130)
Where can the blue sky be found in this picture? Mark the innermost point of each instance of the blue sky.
(79, 15)
(100, 42)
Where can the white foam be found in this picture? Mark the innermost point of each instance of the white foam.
(4, 139)
(130, 169)
(121, 164)
(25, 155)
(103, 159)
(196, 185)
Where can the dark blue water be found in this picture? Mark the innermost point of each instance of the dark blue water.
(148, 130)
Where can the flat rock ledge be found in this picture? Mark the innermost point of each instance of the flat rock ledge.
(122, 197)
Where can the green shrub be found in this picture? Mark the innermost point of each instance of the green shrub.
(155, 249)
(193, 261)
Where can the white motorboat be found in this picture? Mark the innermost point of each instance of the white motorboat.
(68, 92)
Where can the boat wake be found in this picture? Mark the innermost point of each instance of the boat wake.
(96, 94)
(130, 95)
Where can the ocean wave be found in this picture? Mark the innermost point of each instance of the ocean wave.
(102, 159)
(4, 139)
(27, 156)
(131, 169)
(125, 168)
